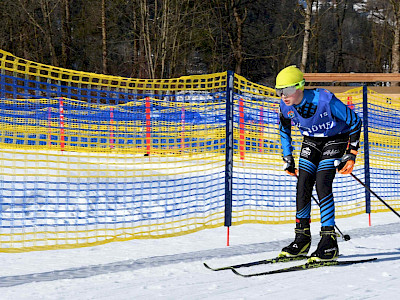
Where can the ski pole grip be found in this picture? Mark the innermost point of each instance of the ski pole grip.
(337, 162)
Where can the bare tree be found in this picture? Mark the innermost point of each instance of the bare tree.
(396, 36)
(237, 41)
(104, 35)
(66, 35)
(48, 31)
(215, 27)
(145, 37)
(317, 37)
(164, 38)
(230, 17)
(340, 8)
(307, 34)
(135, 44)
(45, 26)
(388, 14)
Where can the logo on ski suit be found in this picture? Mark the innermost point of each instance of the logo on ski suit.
(290, 114)
(322, 123)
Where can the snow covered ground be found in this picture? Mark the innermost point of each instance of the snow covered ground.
(172, 268)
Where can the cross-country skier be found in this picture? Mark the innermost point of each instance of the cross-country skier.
(331, 131)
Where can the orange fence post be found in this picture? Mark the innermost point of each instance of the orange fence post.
(62, 132)
(241, 130)
(261, 144)
(148, 126)
(49, 126)
(183, 129)
(112, 127)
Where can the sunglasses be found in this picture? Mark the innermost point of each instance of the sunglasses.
(290, 90)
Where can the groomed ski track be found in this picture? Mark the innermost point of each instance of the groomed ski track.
(201, 256)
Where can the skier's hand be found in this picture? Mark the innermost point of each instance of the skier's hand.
(345, 165)
(290, 166)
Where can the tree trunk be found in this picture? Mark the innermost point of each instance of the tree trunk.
(317, 38)
(145, 34)
(104, 35)
(307, 33)
(164, 34)
(236, 42)
(238, 48)
(339, 21)
(48, 31)
(66, 36)
(396, 38)
(136, 51)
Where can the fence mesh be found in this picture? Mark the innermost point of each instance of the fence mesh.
(87, 159)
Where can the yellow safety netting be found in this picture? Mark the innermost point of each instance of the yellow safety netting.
(87, 159)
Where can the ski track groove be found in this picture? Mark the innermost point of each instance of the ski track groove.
(156, 261)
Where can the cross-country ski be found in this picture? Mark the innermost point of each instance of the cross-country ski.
(258, 262)
(306, 266)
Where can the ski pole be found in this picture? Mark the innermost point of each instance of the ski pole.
(379, 198)
(346, 237)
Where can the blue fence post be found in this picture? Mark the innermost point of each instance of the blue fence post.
(366, 150)
(229, 149)
(2, 84)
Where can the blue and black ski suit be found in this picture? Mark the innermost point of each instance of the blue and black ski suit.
(329, 128)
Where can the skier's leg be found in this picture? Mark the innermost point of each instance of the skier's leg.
(309, 155)
(328, 248)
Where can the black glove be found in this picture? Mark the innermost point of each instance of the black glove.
(346, 164)
(289, 166)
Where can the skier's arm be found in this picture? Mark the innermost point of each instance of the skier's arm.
(342, 112)
(285, 134)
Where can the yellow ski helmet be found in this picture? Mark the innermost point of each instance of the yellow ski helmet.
(290, 76)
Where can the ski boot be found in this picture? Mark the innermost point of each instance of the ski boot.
(327, 247)
(302, 241)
